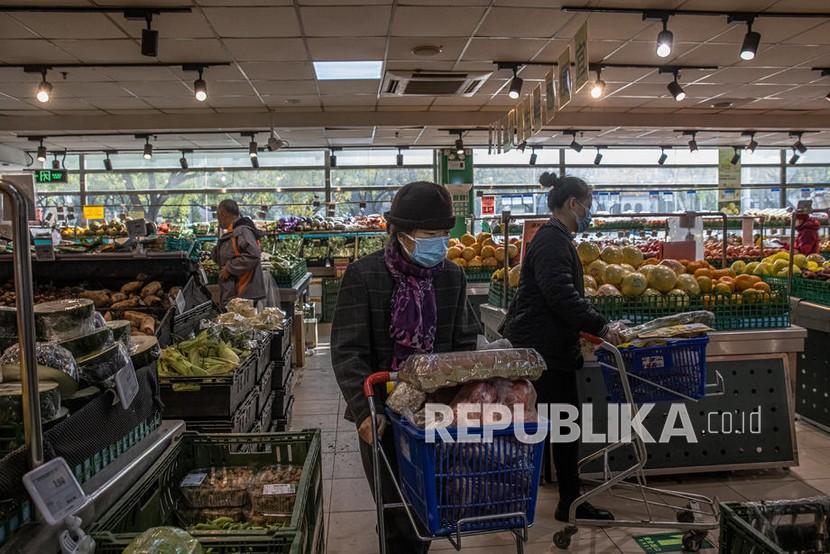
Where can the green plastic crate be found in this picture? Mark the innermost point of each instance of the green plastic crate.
(287, 278)
(812, 290)
(154, 500)
(478, 274)
(496, 293)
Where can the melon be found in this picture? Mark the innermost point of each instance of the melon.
(676, 298)
(611, 255)
(653, 297)
(780, 265)
(632, 256)
(608, 290)
(662, 278)
(587, 252)
(800, 260)
(738, 267)
(634, 284)
(589, 282)
(688, 284)
(596, 269)
(613, 274)
(676, 266)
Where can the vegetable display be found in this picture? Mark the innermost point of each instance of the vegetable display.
(201, 356)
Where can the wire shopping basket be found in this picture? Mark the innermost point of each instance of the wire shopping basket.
(670, 371)
(466, 486)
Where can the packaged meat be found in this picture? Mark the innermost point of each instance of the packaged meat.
(519, 393)
(475, 393)
(64, 319)
(219, 487)
(273, 490)
(430, 372)
(406, 400)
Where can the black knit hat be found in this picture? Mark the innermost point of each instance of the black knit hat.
(422, 205)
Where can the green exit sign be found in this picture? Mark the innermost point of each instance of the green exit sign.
(50, 176)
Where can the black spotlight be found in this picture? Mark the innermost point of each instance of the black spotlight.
(693, 144)
(255, 162)
(107, 162)
(598, 157)
(795, 157)
(149, 39)
(663, 157)
(56, 163)
(333, 159)
(515, 86)
(183, 161)
(533, 157)
(575, 145)
(459, 145)
(736, 157)
(41, 153)
(753, 144)
(399, 158)
(750, 45)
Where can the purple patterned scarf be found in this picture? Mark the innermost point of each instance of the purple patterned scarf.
(414, 311)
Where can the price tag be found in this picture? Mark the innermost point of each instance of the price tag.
(203, 276)
(126, 385)
(137, 228)
(45, 251)
(93, 212)
(55, 490)
(193, 479)
(274, 490)
(181, 304)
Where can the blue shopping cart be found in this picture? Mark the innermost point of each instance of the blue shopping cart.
(452, 489)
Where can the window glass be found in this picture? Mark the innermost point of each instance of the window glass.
(755, 175)
(759, 198)
(383, 176)
(184, 180)
(808, 175)
(761, 156)
(819, 195)
(647, 175)
(544, 156)
(644, 156)
(415, 156)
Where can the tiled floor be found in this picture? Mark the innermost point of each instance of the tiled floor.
(349, 509)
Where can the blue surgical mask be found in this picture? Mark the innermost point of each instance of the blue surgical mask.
(429, 252)
(582, 223)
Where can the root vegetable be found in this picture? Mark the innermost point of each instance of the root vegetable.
(151, 289)
(118, 297)
(142, 322)
(101, 298)
(132, 286)
(129, 303)
(152, 300)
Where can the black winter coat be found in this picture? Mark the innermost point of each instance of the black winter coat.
(549, 310)
(360, 340)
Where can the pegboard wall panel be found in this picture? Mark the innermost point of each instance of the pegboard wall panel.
(723, 424)
(812, 395)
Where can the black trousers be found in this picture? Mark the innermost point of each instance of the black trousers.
(400, 536)
(560, 387)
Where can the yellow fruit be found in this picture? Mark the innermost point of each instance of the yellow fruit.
(662, 278)
(468, 253)
(676, 266)
(653, 298)
(780, 265)
(468, 240)
(512, 250)
(611, 255)
(632, 256)
(587, 252)
(590, 292)
(452, 243)
(481, 237)
(514, 276)
(705, 283)
(460, 262)
(488, 252)
(490, 262)
(498, 275)
(688, 284)
(646, 269)
(634, 284)
(596, 269)
(477, 249)
(613, 274)
(677, 298)
(454, 252)
(750, 267)
(764, 269)
(608, 290)
(723, 289)
(589, 282)
(738, 267)
(500, 254)
(475, 262)
(813, 266)
(800, 260)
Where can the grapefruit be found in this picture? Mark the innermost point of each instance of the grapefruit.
(676, 266)
(632, 256)
(608, 290)
(677, 298)
(596, 270)
(688, 284)
(612, 255)
(587, 252)
(589, 282)
(662, 278)
(613, 274)
(634, 284)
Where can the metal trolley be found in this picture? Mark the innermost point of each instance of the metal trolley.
(453, 490)
(676, 370)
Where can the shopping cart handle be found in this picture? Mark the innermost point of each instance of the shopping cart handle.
(591, 338)
(376, 379)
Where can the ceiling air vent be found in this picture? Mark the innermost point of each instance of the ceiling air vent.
(433, 83)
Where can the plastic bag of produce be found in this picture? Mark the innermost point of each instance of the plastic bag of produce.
(272, 492)
(218, 487)
(519, 394)
(430, 372)
(164, 540)
(242, 306)
(100, 367)
(64, 319)
(269, 319)
(406, 400)
(683, 318)
(54, 362)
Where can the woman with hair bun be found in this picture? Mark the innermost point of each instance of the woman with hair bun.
(548, 313)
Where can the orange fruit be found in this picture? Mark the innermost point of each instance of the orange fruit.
(723, 289)
(763, 287)
(705, 283)
(702, 272)
(743, 282)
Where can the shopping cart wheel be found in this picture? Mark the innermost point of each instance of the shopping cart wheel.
(693, 540)
(562, 539)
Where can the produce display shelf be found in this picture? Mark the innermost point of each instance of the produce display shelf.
(92, 256)
(154, 500)
(241, 421)
(327, 234)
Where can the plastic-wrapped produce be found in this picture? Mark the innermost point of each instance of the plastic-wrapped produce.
(242, 306)
(195, 516)
(11, 402)
(64, 319)
(219, 487)
(273, 491)
(55, 363)
(164, 540)
(100, 367)
(88, 344)
(430, 372)
(406, 400)
(269, 319)
(700, 316)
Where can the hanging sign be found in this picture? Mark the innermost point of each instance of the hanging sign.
(581, 67)
(505, 133)
(93, 212)
(550, 95)
(488, 205)
(564, 82)
(50, 176)
(536, 105)
(729, 175)
(460, 198)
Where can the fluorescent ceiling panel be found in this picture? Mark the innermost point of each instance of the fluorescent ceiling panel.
(328, 71)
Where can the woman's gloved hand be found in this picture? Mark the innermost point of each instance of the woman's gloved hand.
(364, 430)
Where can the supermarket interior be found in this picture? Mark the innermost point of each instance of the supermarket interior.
(309, 276)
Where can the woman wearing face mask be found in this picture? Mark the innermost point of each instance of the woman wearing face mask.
(399, 301)
(548, 313)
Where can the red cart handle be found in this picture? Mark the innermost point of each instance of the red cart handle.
(591, 338)
(376, 379)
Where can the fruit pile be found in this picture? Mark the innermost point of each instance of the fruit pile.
(513, 276)
(615, 271)
(778, 264)
(481, 251)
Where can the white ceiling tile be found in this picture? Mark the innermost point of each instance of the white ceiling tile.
(229, 88)
(806, 92)
(172, 89)
(104, 51)
(495, 49)
(229, 72)
(597, 49)
(368, 86)
(11, 28)
(349, 100)
(400, 48)
(32, 51)
(233, 101)
(266, 49)
(191, 50)
(13, 104)
(70, 25)
(146, 111)
(165, 102)
(429, 66)
(787, 55)
(123, 74)
(740, 75)
(818, 35)
(390, 101)
(124, 103)
(88, 90)
(286, 88)
(288, 102)
(332, 49)
(343, 2)
(352, 21)
(736, 5)
(791, 76)
(276, 71)
(617, 26)
(435, 21)
(522, 22)
(645, 52)
(773, 30)
(440, 108)
(254, 22)
(172, 25)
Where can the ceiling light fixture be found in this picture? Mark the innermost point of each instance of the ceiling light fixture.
(399, 158)
(753, 144)
(427, 50)
(148, 149)
(107, 162)
(56, 163)
(459, 144)
(330, 71)
(183, 161)
(674, 87)
(798, 145)
(41, 152)
(533, 156)
(598, 88)
(252, 148)
(200, 87)
(749, 47)
(693, 142)
(515, 84)
(736, 156)
(255, 162)
(794, 159)
(149, 39)
(663, 156)
(664, 40)
(598, 157)
(574, 145)
(332, 159)
(44, 89)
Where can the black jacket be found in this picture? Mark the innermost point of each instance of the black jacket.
(360, 341)
(549, 310)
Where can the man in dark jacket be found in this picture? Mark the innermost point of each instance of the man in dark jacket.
(238, 255)
(366, 316)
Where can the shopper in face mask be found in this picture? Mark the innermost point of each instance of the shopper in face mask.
(548, 313)
(403, 300)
